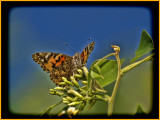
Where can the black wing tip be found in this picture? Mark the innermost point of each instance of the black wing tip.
(93, 43)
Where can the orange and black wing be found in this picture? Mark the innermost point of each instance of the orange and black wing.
(58, 65)
(86, 52)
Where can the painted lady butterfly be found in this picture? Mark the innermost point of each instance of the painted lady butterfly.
(60, 65)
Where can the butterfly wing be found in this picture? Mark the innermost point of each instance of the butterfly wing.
(86, 52)
(58, 65)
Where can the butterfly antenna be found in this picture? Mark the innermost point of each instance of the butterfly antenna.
(70, 48)
(86, 42)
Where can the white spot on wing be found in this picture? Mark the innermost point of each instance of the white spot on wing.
(48, 54)
(40, 53)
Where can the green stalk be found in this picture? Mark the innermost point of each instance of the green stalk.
(112, 99)
(111, 54)
(120, 72)
(48, 109)
(129, 67)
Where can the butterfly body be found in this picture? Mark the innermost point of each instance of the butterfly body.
(60, 65)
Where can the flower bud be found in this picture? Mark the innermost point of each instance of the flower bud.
(80, 72)
(59, 93)
(75, 103)
(74, 82)
(116, 48)
(75, 112)
(60, 88)
(76, 98)
(66, 102)
(84, 87)
(84, 82)
(107, 97)
(64, 99)
(66, 81)
(70, 99)
(52, 93)
(102, 98)
(62, 83)
(98, 96)
(61, 113)
(85, 71)
(78, 76)
(75, 93)
(52, 90)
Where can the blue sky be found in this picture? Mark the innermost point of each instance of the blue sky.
(46, 29)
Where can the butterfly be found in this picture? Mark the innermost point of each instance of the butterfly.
(60, 65)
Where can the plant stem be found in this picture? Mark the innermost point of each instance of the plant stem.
(120, 72)
(112, 99)
(48, 109)
(111, 54)
(129, 67)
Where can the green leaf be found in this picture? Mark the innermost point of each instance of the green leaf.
(96, 69)
(96, 72)
(139, 110)
(96, 87)
(146, 45)
(47, 111)
(108, 70)
(95, 75)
